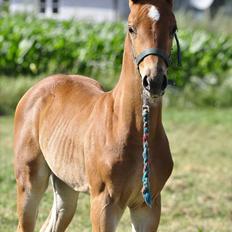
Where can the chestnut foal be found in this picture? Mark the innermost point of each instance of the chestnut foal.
(88, 140)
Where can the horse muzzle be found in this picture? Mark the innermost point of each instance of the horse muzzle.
(155, 86)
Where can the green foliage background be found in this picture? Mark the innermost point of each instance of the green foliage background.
(35, 47)
(30, 45)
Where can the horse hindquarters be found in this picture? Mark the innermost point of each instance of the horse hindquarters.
(31, 170)
(32, 175)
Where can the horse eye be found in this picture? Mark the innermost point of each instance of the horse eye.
(131, 30)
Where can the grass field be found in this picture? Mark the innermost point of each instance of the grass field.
(198, 196)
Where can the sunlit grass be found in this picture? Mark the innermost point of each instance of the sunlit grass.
(198, 196)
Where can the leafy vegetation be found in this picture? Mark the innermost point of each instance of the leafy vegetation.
(32, 48)
(31, 45)
(206, 57)
(198, 196)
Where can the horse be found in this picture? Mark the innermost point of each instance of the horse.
(69, 130)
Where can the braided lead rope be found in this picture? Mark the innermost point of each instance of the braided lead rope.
(146, 168)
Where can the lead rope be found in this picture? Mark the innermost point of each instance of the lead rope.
(146, 164)
(146, 191)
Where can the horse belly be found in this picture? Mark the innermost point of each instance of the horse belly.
(64, 154)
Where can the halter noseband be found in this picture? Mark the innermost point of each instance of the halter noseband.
(152, 51)
(160, 53)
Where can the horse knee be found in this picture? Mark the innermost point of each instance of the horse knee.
(105, 212)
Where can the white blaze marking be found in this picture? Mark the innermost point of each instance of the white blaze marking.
(154, 13)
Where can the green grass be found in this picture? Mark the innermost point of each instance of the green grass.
(198, 196)
(11, 90)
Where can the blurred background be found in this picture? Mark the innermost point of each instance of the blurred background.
(43, 37)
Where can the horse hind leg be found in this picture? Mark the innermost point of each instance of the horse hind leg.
(32, 175)
(63, 209)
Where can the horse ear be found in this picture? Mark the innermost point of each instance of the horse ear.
(170, 1)
(131, 2)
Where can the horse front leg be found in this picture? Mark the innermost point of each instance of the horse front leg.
(145, 219)
(105, 213)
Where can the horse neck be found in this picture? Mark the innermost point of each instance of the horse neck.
(127, 95)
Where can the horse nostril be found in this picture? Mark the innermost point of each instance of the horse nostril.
(146, 83)
(164, 83)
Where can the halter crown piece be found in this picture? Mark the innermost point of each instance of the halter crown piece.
(146, 190)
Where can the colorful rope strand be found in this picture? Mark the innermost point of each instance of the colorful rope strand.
(146, 168)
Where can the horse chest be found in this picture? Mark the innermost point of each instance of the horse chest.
(115, 165)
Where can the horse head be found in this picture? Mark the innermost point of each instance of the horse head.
(151, 28)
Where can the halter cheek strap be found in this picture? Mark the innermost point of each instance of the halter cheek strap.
(179, 57)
